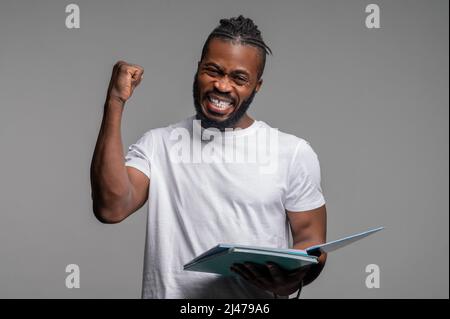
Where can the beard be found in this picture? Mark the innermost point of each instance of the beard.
(230, 122)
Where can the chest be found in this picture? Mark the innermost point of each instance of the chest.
(237, 184)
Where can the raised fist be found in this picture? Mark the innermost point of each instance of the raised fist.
(124, 79)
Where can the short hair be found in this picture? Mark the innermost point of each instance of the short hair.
(243, 31)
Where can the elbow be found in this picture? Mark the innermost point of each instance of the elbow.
(108, 219)
(109, 208)
(106, 216)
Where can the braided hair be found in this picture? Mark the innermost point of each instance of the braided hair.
(240, 30)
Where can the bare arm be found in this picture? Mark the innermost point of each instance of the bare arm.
(309, 228)
(117, 190)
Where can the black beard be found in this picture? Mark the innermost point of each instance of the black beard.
(221, 125)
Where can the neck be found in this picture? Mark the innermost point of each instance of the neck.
(244, 122)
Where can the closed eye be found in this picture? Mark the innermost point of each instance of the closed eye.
(213, 71)
(240, 80)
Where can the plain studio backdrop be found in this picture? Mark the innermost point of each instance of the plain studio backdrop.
(373, 103)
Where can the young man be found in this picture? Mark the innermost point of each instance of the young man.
(200, 195)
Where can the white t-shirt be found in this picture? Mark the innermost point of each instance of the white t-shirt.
(209, 187)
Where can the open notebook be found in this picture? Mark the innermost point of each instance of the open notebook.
(220, 258)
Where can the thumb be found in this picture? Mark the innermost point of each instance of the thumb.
(137, 76)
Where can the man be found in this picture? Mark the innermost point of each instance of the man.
(195, 203)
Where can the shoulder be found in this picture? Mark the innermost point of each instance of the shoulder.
(290, 145)
(165, 131)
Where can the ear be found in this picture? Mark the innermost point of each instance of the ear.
(258, 85)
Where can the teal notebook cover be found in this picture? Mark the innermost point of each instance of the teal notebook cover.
(220, 258)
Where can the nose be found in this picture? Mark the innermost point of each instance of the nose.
(223, 84)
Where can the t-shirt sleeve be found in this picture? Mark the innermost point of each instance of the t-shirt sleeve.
(303, 189)
(140, 153)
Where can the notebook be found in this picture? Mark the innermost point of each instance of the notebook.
(220, 258)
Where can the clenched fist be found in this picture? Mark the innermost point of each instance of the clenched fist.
(124, 79)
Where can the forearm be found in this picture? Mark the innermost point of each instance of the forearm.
(315, 270)
(109, 179)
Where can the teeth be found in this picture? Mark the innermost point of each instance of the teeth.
(220, 104)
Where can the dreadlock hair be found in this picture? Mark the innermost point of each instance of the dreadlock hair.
(240, 30)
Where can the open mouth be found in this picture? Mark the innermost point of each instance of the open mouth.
(218, 106)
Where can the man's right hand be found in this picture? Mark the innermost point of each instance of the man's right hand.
(124, 79)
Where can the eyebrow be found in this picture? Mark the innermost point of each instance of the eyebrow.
(238, 71)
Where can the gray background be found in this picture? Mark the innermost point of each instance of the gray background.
(373, 104)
